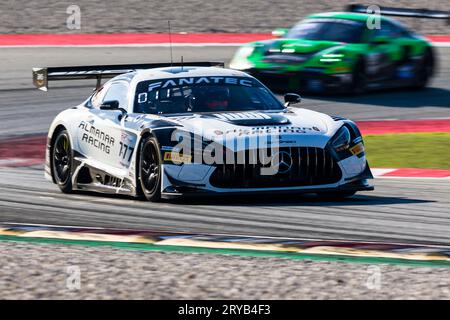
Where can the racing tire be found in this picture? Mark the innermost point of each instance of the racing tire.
(62, 161)
(336, 195)
(426, 71)
(149, 170)
(359, 79)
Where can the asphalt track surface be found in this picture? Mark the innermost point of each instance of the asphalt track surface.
(415, 211)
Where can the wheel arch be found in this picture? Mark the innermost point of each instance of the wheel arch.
(56, 131)
(430, 53)
(146, 133)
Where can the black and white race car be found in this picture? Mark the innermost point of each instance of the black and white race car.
(158, 130)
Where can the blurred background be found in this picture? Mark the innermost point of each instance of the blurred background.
(116, 16)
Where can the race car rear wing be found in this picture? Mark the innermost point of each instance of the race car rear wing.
(41, 76)
(402, 12)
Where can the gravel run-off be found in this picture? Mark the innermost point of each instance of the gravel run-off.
(48, 271)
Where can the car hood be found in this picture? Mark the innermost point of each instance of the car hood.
(298, 46)
(293, 126)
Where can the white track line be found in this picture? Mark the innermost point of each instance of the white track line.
(441, 44)
(13, 161)
(414, 178)
(380, 172)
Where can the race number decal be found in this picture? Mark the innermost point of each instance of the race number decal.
(126, 148)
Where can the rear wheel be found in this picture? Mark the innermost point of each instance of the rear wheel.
(62, 161)
(150, 169)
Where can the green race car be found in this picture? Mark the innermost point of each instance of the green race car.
(339, 52)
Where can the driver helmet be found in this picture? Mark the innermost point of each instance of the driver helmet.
(217, 98)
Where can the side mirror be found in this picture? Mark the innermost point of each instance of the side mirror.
(280, 32)
(291, 98)
(112, 105)
(379, 40)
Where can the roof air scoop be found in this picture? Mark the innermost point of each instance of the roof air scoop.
(253, 118)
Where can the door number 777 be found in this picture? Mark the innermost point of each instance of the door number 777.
(124, 150)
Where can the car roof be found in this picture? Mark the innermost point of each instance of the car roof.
(345, 16)
(183, 72)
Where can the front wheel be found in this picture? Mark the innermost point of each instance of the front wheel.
(425, 71)
(62, 161)
(359, 78)
(150, 169)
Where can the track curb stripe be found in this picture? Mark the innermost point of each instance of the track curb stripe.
(379, 127)
(234, 252)
(133, 39)
(347, 251)
(149, 39)
(411, 173)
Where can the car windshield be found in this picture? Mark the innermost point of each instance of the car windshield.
(339, 30)
(203, 94)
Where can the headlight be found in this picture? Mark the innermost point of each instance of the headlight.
(342, 139)
(239, 61)
(245, 52)
(330, 58)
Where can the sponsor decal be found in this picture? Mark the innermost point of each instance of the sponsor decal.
(40, 79)
(405, 72)
(124, 137)
(357, 140)
(271, 130)
(357, 149)
(177, 158)
(315, 84)
(341, 69)
(95, 137)
(284, 164)
(199, 81)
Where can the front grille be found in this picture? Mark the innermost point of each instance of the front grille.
(297, 81)
(310, 166)
(286, 59)
(287, 55)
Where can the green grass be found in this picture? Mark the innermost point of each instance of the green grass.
(409, 150)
